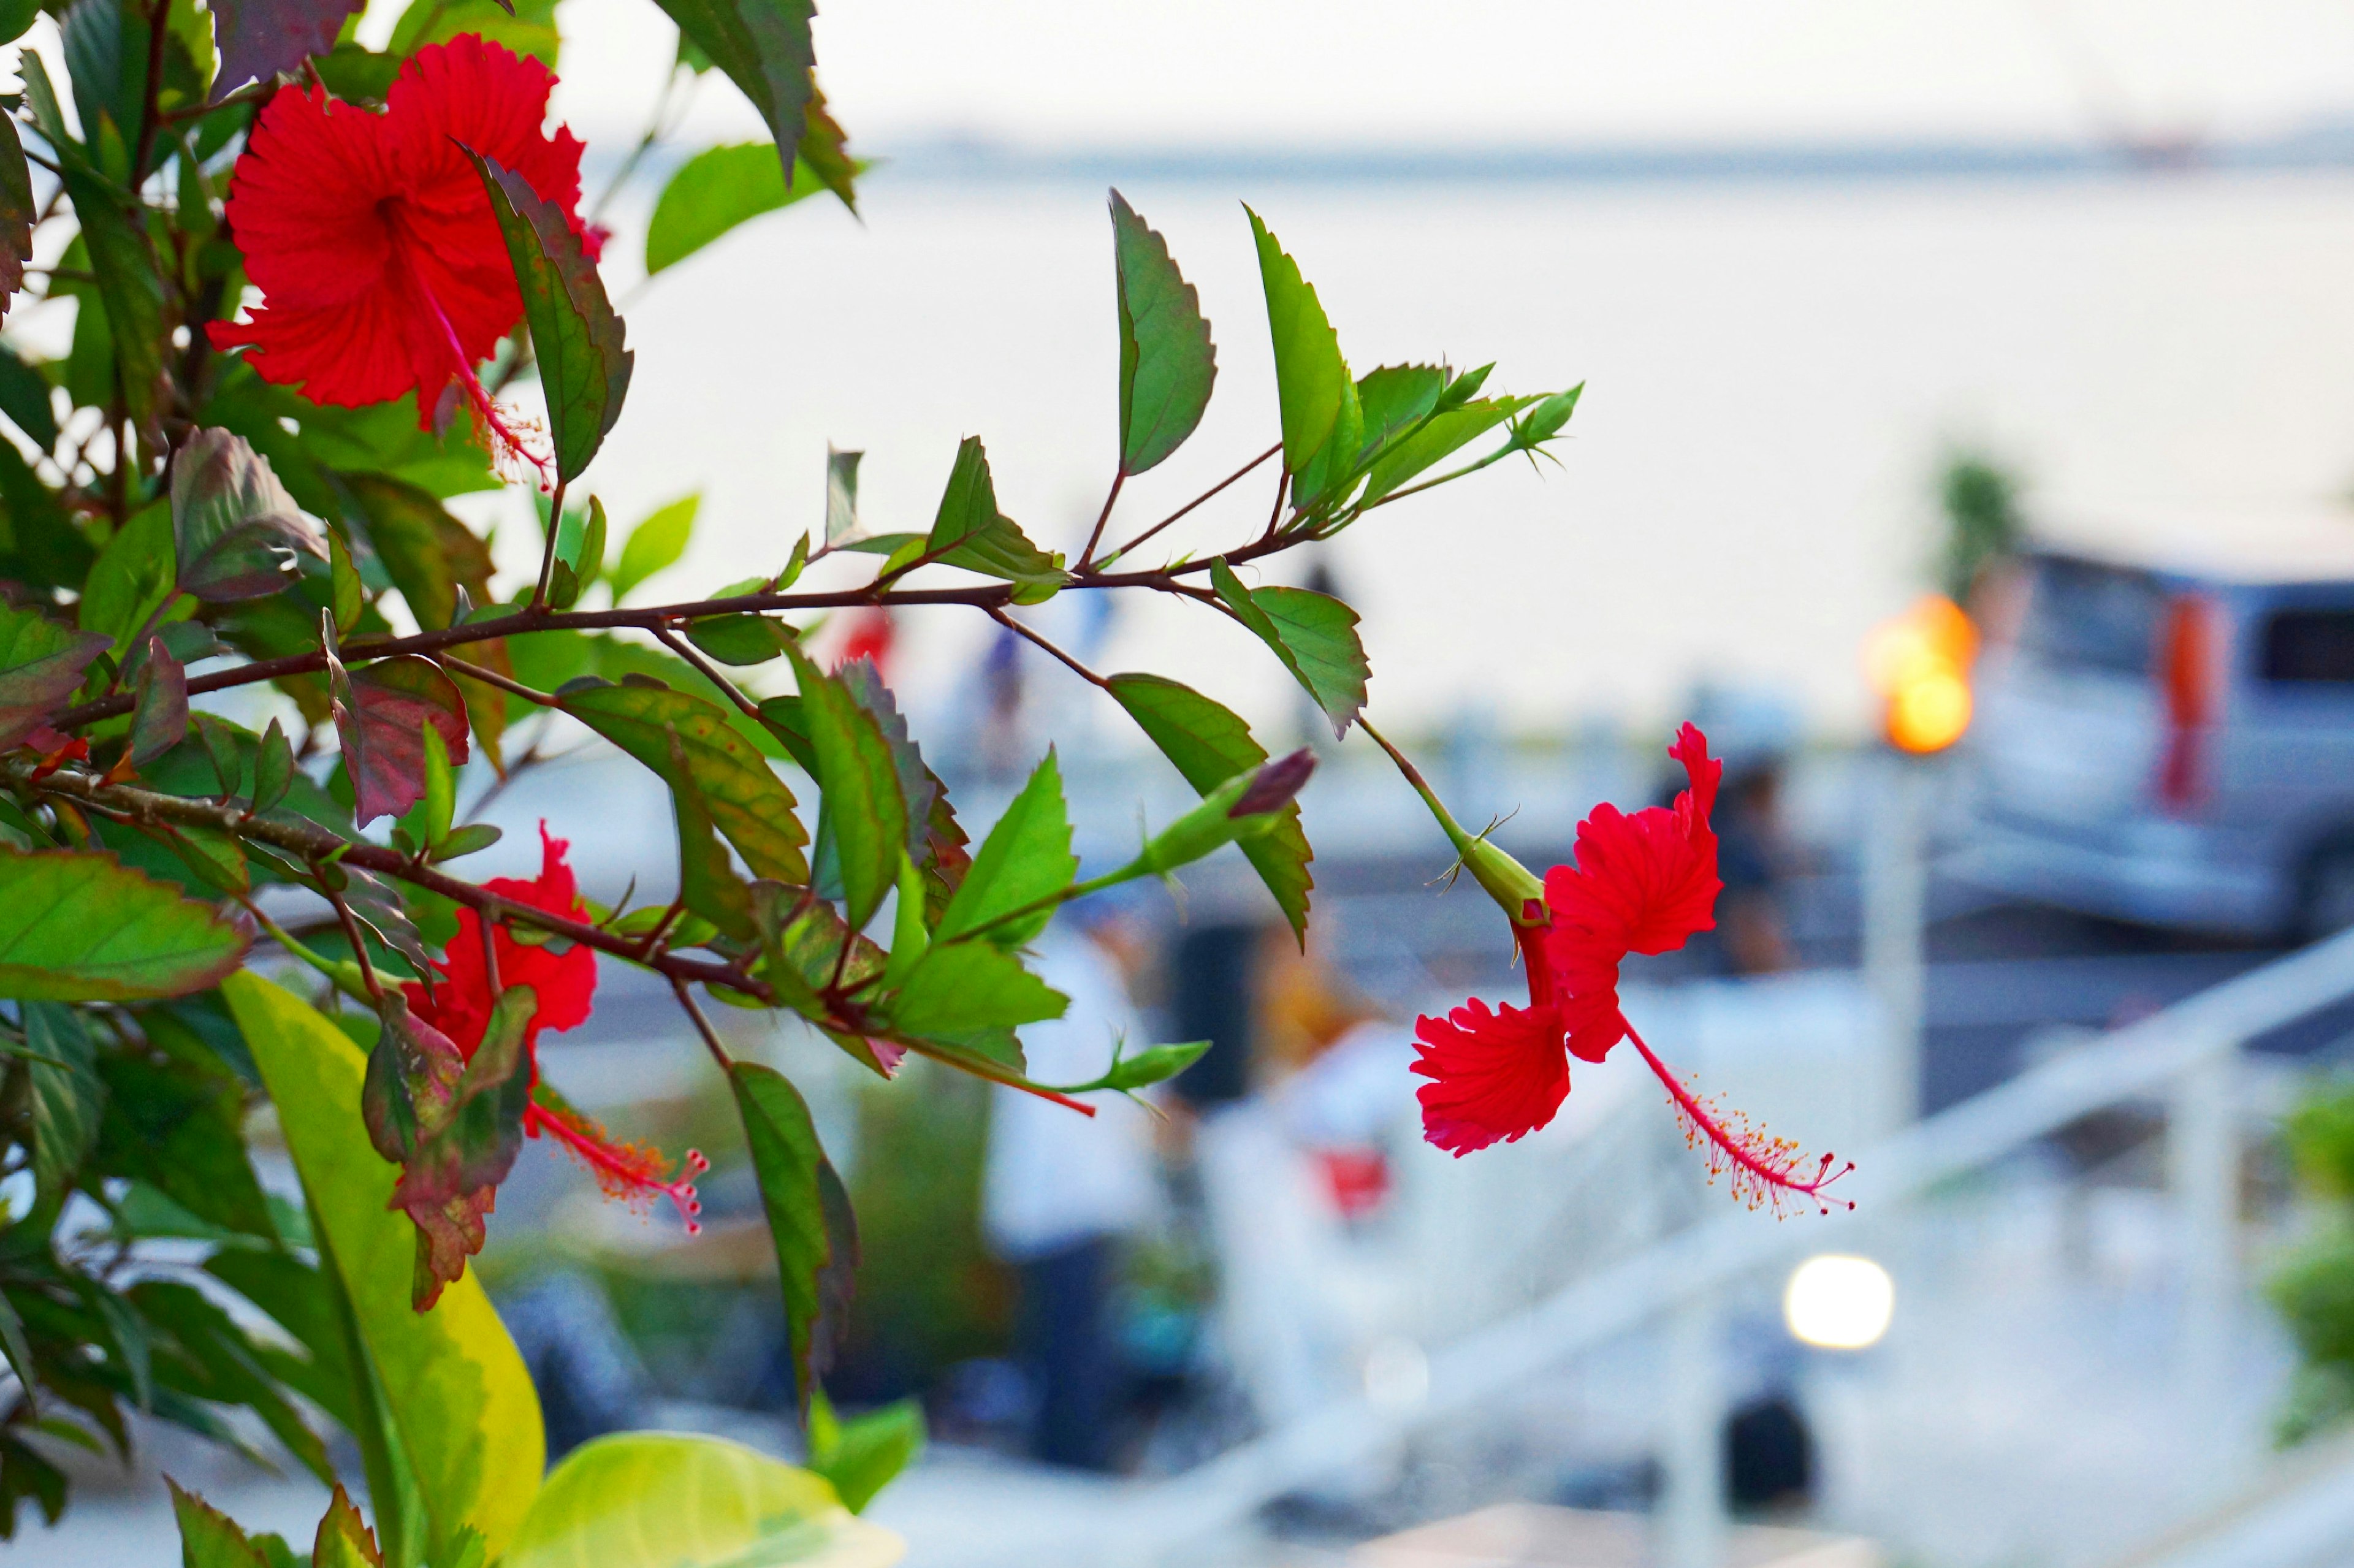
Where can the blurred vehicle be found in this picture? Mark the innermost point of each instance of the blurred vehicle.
(2165, 728)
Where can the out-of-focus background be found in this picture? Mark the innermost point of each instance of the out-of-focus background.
(2042, 306)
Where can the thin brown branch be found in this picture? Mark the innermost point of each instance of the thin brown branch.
(1095, 535)
(702, 1024)
(1197, 501)
(351, 925)
(703, 667)
(309, 841)
(1019, 629)
(506, 683)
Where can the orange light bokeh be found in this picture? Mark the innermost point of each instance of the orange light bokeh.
(1920, 662)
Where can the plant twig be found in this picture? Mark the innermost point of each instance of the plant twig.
(1197, 501)
(688, 651)
(1019, 629)
(1095, 536)
(702, 1024)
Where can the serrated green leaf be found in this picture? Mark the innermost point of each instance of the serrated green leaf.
(131, 581)
(1330, 473)
(1167, 363)
(655, 544)
(963, 988)
(1395, 398)
(970, 532)
(426, 823)
(1026, 857)
(344, 1539)
(381, 715)
(159, 721)
(1309, 374)
(113, 227)
(41, 666)
(808, 1216)
(707, 883)
(237, 530)
(866, 810)
(583, 364)
(1314, 634)
(457, 1403)
(84, 927)
(1209, 745)
(273, 767)
(1443, 433)
(714, 192)
(665, 1500)
(210, 1538)
(764, 48)
(748, 802)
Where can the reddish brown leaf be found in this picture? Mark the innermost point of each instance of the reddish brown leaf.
(260, 39)
(381, 714)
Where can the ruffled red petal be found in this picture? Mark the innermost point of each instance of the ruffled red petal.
(1644, 882)
(1495, 1076)
(565, 983)
(370, 237)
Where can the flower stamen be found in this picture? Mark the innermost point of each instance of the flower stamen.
(634, 1173)
(1762, 1169)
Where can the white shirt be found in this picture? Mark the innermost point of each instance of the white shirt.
(1056, 1178)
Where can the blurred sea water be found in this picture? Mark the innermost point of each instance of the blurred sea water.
(1774, 372)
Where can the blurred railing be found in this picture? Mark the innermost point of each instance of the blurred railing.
(2187, 1058)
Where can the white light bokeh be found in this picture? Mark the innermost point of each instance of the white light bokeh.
(1838, 1302)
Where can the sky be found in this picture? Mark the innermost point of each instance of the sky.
(1211, 73)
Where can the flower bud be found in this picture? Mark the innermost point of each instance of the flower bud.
(1244, 806)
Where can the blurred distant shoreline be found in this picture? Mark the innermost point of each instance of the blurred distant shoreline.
(2322, 146)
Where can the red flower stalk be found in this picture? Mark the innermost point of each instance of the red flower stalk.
(371, 238)
(459, 1004)
(1641, 884)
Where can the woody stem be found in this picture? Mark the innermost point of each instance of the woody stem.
(547, 555)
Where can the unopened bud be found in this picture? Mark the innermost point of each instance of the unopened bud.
(1273, 787)
(1244, 806)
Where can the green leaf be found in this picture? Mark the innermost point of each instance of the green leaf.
(970, 532)
(350, 594)
(67, 1096)
(1167, 363)
(655, 544)
(17, 214)
(526, 27)
(1025, 858)
(577, 339)
(160, 720)
(1396, 397)
(113, 227)
(15, 1351)
(273, 767)
(459, 1401)
(210, 1538)
(131, 581)
(25, 397)
(237, 530)
(41, 666)
(741, 640)
(1208, 745)
(83, 927)
(707, 881)
(861, 1455)
(1443, 433)
(764, 48)
(16, 18)
(748, 802)
(715, 190)
(865, 811)
(1251, 803)
(808, 1216)
(426, 823)
(841, 500)
(667, 1499)
(343, 1540)
(262, 38)
(1314, 634)
(428, 554)
(964, 987)
(381, 716)
(580, 554)
(1310, 376)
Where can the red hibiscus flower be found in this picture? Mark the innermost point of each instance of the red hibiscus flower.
(1642, 884)
(370, 235)
(459, 1004)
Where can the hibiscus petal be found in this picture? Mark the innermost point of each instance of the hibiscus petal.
(1496, 1076)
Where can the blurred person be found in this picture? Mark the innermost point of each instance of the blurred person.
(1061, 1190)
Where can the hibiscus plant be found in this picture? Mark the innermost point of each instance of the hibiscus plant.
(317, 291)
